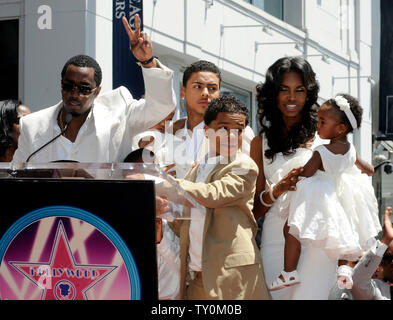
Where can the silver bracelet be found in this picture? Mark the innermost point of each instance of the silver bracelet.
(271, 192)
(263, 202)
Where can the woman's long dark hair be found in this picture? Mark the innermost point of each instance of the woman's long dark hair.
(269, 115)
(8, 116)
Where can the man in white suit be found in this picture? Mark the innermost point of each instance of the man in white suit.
(102, 126)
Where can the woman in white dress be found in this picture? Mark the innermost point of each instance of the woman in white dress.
(287, 111)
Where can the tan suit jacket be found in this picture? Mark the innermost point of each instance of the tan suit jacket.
(231, 262)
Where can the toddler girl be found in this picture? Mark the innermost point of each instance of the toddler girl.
(335, 207)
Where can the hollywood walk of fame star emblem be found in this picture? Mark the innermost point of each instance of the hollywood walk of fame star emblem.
(61, 278)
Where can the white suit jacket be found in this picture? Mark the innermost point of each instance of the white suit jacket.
(116, 118)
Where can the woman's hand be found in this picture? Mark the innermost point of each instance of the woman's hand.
(288, 183)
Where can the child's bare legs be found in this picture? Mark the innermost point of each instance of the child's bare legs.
(292, 251)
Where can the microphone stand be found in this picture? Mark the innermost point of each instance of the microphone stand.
(67, 122)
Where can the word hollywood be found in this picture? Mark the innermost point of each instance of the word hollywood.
(198, 309)
(46, 273)
(61, 278)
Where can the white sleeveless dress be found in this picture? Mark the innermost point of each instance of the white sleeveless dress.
(335, 209)
(317, 270)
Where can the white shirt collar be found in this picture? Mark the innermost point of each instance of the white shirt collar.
(201, 125)
(212, 160)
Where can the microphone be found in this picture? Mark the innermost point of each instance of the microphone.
(68, 119)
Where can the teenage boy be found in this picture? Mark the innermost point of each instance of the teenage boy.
(201, 84)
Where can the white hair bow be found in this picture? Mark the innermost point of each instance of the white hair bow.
(346, 108)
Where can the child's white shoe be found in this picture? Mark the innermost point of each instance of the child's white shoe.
(290, 279)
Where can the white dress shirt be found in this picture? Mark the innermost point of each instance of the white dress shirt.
(187, 152)
(168, 260)
(66, 149)
(198, 217)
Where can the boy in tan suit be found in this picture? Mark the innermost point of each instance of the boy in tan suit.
(219, 258)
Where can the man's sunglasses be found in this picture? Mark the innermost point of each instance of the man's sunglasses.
(82, 89)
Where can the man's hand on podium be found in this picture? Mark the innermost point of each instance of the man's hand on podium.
(162, 206)
(159, 229)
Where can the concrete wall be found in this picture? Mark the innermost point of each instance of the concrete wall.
(46, 50)
(52, 32)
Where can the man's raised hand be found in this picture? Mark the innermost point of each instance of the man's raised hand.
(140, 43)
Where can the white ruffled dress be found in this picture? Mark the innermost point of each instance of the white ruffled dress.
(335, 209)
(316, 269)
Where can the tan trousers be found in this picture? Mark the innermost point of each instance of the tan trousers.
(243, 283)
(195, 290)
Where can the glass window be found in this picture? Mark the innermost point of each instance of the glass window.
(319, 2)
(243, 95)
(274, 7)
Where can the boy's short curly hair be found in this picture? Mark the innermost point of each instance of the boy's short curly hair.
(225, 103)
